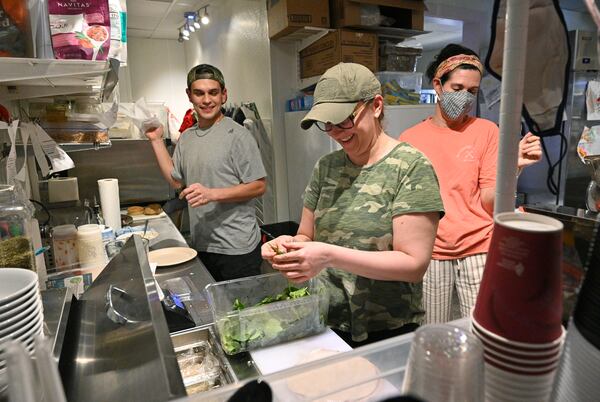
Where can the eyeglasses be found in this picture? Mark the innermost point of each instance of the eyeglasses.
(344, 125)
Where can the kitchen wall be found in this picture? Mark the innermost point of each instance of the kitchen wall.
(155, 70)
(236, 41)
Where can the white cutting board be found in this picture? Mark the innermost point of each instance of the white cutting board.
(289, 354)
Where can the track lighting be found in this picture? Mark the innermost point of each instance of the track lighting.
(193, 22)
(190, 18)
(205, 20)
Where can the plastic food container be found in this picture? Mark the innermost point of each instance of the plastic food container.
(258, 326)
(396, 58)
(64, 245)
(399, 88)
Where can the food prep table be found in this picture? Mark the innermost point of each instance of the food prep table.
(131, 355)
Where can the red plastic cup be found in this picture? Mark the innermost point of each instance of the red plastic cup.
(520, 297)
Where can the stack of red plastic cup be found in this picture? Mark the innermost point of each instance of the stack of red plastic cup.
(518, 311)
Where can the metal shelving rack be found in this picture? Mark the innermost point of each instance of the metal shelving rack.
(22, 78)
(305, 36)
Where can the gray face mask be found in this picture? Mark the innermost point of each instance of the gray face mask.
(456, 105)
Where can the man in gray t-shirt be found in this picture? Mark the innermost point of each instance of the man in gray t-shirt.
(217, 166)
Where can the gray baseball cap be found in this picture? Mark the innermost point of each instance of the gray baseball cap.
(338, 92)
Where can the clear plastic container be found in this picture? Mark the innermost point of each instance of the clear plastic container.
(400, 88)
(396, 58)
(370, 373)
(254, 326)
(16, 247)
(64, 247)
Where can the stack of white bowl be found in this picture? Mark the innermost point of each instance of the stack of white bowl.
(21, 310)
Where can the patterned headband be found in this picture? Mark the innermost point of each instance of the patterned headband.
(452, 62)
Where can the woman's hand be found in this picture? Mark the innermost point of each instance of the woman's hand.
(530, 150)
(275, 247)
(302, 260)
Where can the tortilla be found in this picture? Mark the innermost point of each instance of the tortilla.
(343, 374)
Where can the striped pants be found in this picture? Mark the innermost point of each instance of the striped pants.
(440, 280)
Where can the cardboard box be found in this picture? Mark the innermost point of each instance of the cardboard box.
(287, 16)
(340, 45)
(408, 14)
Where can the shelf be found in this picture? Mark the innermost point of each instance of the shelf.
(303, 33)
(85, 146)
(304, 83)
(22, 78)
(389, 32)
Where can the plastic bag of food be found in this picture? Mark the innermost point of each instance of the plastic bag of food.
(80, 30)
(16, 39)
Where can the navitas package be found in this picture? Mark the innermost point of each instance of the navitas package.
(80, 29)
(15, 29)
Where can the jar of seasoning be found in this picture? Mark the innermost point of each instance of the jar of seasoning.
(16, 247)
(64, 246)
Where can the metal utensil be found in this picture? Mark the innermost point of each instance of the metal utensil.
(145, 229)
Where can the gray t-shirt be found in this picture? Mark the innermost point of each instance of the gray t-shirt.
(223, 155)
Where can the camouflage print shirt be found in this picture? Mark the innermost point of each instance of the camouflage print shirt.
(353, 207)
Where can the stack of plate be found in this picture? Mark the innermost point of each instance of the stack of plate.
(21, 312)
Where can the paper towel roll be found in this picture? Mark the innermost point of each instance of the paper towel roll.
(110, 203)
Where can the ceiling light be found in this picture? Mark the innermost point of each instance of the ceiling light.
(180, 39)
(197, 23)
(191, 28)
(186, 37)
(190, 18)
(205, 20)
(185, 31)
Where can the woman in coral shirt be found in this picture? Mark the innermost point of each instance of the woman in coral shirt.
(463, 150)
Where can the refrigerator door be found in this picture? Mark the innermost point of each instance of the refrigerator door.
(303, 148)
(576, 175)
(399, 118)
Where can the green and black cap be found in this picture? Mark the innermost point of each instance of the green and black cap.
(205, 71)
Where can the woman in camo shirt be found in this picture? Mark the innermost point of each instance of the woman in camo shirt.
(370, 214)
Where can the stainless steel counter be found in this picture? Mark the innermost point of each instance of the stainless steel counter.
(196, 276)
(107, 357)
(192, 274)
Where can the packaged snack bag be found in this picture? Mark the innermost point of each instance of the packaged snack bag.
(80, 29)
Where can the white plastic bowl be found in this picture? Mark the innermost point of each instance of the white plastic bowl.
(14, 282)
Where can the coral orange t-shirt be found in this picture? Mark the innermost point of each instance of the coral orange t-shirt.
(465, 162)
